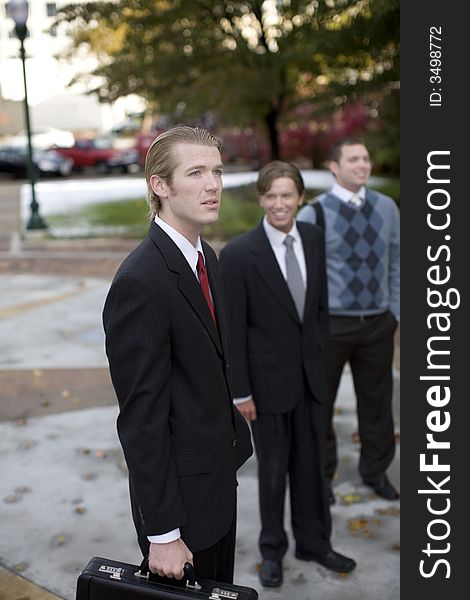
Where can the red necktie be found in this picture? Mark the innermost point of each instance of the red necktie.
(204, 281)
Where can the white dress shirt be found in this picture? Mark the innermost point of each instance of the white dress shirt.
(345, 195)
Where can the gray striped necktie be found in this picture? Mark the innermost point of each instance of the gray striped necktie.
(294, 277)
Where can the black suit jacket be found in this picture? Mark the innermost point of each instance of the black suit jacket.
(271, 349)
(181, 436)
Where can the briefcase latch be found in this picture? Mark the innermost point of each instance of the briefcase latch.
(219, 594)
(113, 572)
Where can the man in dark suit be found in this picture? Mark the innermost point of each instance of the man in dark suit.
(275, 282)
(166, 341)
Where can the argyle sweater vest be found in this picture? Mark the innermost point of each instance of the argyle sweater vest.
(362, 254)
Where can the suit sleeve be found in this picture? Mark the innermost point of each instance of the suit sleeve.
(138, 348)
(235, 292)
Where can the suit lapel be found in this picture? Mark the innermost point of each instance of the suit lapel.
(188, 283)
(268, 269)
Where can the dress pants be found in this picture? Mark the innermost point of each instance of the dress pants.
(367, 343)
(291, 445)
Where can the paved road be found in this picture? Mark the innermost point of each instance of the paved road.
(63, 490)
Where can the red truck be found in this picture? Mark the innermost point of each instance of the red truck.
(102, 155)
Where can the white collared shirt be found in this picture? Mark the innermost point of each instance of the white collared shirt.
(345, 195)
(276, 239)
(188, 250)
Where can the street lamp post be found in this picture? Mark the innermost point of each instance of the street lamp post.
(18, 11)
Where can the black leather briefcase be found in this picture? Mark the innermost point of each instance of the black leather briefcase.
(105, 579)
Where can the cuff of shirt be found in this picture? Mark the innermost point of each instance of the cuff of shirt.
(165, 538)
(240, 400)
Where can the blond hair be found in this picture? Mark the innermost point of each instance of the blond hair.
(161, 159)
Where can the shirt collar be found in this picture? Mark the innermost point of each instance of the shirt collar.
(345, 195)
(277, 237)
(188, 250)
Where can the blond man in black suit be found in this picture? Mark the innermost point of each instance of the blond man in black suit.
(166, 341)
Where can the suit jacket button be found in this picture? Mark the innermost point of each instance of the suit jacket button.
(234, 443)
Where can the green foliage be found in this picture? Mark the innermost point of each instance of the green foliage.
(126, 218)
(244, 62)
(239, 212)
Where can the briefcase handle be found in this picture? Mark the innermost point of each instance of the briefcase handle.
(188, 569)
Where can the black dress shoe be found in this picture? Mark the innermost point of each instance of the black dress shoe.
(270, 573)
(330, 560)
(383, 488)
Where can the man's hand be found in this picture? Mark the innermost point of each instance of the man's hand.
(248, 409)
(167, 560)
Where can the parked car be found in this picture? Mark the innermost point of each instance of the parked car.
(43, 138)
(14, 162)
(102, 155)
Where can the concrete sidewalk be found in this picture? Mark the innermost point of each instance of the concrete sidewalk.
(63, 484)
(63, 489)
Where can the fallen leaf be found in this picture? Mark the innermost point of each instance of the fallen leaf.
(355, 438)
(357, 524)
(23, 489)
(395, 547)
(397, 437)
(350, 499)
(45, 403)
(75, 401)
(37, 372)
(65, 394)
(392, 510)
(80, 510)
(100, 454)
(338, 411)
(11, 499)
(20, 567)
(343, 574)
(60, 540)
(21, 422)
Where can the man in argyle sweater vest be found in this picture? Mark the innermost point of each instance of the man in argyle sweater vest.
(362, 241)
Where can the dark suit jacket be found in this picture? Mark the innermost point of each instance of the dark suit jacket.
(271, 349)
(181, 436)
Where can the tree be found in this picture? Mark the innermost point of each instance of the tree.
(244, 62)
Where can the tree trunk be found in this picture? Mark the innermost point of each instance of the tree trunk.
(271, 123)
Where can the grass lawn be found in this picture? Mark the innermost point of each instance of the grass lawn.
(128, 218)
